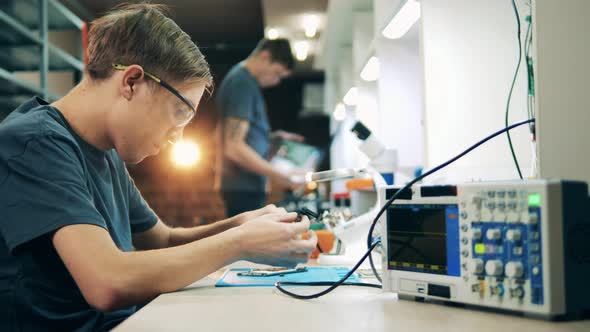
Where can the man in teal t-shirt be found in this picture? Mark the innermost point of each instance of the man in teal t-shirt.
(52, 178)
(246, 131)
(79, 246)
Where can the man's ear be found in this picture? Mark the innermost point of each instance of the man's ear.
(265, 55)
(131, 76)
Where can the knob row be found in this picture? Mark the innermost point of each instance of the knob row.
(495, 267)
(495, 234)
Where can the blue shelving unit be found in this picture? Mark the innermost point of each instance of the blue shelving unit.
(25, 47)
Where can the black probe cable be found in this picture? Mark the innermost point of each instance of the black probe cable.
(332, 285)
(371, 246)
(514, 158)
(311, 215)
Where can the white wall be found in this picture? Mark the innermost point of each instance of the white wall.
(362, 37)
(344, 152)
(401, 96)
(444, 86)
(384, 11)
(367, 109)
(470, 53)
(391, 107)
(562, 72)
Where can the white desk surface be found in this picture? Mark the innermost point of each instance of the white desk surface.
(202, 307)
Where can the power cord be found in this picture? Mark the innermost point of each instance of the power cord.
(371, 245)
(512, 88)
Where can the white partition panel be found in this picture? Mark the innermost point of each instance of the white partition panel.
(401, 96)
(563, 103)
(470, 52)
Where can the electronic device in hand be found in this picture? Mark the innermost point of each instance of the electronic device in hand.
(273, 271)
(292, 155)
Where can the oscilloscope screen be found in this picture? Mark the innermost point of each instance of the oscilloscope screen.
(417, 238)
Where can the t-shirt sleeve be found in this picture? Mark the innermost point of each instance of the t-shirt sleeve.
(141, 216)
(236, 100)
(43, 189)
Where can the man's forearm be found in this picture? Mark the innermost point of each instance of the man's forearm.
(181, 235)
(143, 275)
(243, 155)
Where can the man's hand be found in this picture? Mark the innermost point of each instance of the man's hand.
(287, 136)
(284, 182)
(236, 150)
(274, 239)
(242, 218)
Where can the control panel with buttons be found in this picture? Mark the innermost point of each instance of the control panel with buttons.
(489, 246)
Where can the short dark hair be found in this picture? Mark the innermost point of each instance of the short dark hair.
(279, 49)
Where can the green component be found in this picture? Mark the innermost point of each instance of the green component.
(317, 226)
(535, 200)
(480, 248)
(531, 79)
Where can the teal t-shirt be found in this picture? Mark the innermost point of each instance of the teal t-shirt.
(239, 96)
(51, 178)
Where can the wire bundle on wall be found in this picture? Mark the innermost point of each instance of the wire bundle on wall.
(530, 81)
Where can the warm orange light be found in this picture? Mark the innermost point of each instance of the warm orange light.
(186, 154)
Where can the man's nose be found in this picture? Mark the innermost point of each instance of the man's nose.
(175, 135)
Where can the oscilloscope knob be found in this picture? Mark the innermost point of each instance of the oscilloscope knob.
(476, 266)
(494, 267)
(514, 269)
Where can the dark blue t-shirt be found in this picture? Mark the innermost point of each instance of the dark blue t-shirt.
(240, 96)
(51, 178)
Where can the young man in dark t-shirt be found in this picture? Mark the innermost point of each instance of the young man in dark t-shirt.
(79, 246)
(246, 132)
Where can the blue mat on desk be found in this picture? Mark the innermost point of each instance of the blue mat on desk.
(316, 273)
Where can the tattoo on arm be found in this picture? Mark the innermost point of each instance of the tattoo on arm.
(235, 128)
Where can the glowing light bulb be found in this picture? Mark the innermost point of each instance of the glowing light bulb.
(272, 33)
(186, 154)
(311, 24)
(301, 50)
